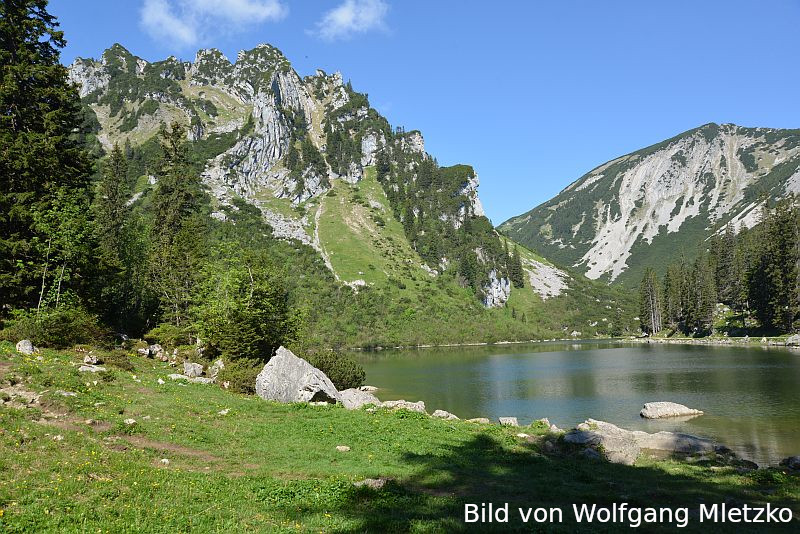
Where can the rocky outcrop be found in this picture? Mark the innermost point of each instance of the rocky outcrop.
(793, 341)
(662, 409)
(215, 368)
(621, 446)
(88, 75)
(287, 378)
(192, 370)
(370, 144)
(497, 291)
(355, 398)
(508, 421)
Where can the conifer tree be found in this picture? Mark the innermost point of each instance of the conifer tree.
(650, 302)
(177, 231)
(44, 170)
(515, 271)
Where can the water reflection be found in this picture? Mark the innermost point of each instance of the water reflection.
(750, 395)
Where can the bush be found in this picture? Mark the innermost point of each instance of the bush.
(241, 375)
(344, 371)
(168, 335)
(56, 328)
(119, 359)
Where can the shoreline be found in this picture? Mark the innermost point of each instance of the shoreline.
(779, 342)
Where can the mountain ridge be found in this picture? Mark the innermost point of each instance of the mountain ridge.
(632, 209)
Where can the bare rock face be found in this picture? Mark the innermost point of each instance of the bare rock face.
(496, 291)
(354, 398)
(405, 405)
(442, 414)
(793, 341)
(659, 410)
(215, 368)
(287, 378)
(192, 370)
(509, 421)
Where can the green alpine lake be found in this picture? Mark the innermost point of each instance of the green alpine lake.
(750, 395)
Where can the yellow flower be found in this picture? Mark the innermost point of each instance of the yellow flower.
(2, 512)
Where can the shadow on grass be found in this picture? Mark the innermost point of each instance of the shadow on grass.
(482, 471)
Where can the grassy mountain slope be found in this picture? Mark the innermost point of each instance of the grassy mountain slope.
(306, 169)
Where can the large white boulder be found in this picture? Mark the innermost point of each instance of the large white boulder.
(658, 410)
(287, 378)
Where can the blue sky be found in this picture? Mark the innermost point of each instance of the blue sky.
(532, 94)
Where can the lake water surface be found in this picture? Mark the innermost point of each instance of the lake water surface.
(750, 396)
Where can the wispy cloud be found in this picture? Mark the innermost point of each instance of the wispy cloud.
(189, 22)
(352, 17)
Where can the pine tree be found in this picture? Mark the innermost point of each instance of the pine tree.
(725, 274)
(704, 295)
(44, 170)
(650, 302)
(177, 229)
(515, 271)
(773, 282)
(111, 208)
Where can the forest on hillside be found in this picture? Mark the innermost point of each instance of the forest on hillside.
(754, 273)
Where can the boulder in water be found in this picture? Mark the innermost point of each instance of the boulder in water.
(659, 410)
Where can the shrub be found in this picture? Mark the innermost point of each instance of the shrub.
(344, 371)
(241, 375)
(119, 359)
(168, 335)
(58, 328)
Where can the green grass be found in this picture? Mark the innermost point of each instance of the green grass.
(363, 240)
(267, 467)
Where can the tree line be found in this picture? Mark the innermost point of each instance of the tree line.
(755, 272)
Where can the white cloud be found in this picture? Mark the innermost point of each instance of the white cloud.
(189, 22)
(160, 21)
(353, 17)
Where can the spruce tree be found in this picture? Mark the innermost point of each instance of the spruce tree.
(177, 230)
(516, 273)
(44, 170)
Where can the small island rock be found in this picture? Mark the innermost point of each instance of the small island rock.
(658, 410)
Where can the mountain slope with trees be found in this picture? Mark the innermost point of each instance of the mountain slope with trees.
(630, 213)
(223, 208)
